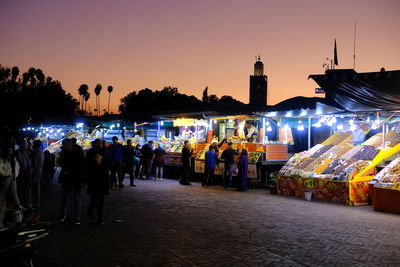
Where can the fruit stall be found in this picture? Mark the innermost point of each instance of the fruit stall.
(335, 170)
(255, 154)
(386, 186)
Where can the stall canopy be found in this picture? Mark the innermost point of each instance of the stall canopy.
(369, 91)
(302, 107)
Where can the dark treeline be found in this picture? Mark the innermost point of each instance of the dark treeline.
(168, 100)
(32, 97)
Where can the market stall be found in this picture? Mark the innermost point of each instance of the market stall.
(386, 186)
(336, 170)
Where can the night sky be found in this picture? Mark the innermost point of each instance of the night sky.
(193, 44)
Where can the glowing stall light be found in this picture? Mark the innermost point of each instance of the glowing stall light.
(118, 125)
(353, 127)
(162, 123)
(62, 134)
(24, 129)
(286, 127)
(215, 121)
(374, 126)
(59, 130)
(318, 124)
(124, 128)
(51, 131)
(340, 127)
(300, 127)
(269, 128)
(351, 121)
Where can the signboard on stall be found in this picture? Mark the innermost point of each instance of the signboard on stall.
(343, 192)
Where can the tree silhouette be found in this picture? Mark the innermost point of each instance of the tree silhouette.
(109, 89)
(168, 99)
(86, 98)
(97, 91)
(213, 99)
(32, 97)
(82, 90)
(205, 95)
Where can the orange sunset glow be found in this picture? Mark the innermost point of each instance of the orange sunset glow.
(132, 45)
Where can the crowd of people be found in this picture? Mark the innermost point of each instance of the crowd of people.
(24, 167)
(228, 156)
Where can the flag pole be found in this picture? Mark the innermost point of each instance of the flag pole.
(354, 47)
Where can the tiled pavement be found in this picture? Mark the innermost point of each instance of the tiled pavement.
(165, 224)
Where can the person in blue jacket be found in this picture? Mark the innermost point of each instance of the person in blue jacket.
(115, 156)
(210, 164)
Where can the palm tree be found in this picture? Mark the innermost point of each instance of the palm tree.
(97, 91)
(87, 96)
(109, 89)
(83, 90)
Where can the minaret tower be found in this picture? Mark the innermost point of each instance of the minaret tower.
(258, 84)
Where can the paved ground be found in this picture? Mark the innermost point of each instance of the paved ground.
(165, 224)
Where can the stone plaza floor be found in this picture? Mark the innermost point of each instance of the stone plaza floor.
(161, 223)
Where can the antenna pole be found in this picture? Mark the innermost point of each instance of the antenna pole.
(354, 47)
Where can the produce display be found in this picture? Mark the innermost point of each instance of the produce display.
(336, 151)
(334, 159)
(253, 156)
(388, 177)
(338, 138)
(351, 153)
(366, 153)
(321, 151)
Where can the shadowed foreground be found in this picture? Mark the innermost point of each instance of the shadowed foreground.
(163, 223)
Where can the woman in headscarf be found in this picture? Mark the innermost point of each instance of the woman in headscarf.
(242, 171)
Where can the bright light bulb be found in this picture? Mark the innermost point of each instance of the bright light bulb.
(353, 127)
(300, 127)
(340, 127)
(318, 124)
(351, 121)
(374, 126)
(269, 129)
(267, 123)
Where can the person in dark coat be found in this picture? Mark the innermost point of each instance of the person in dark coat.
(97, 178)
(186, 154)
(147, 159)
(159, 162)
(229, 158)
(115, 154)
(72, 178)
(242, 171)
(48, 167)
(137, 160)
(210, 163)
(128, 161)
